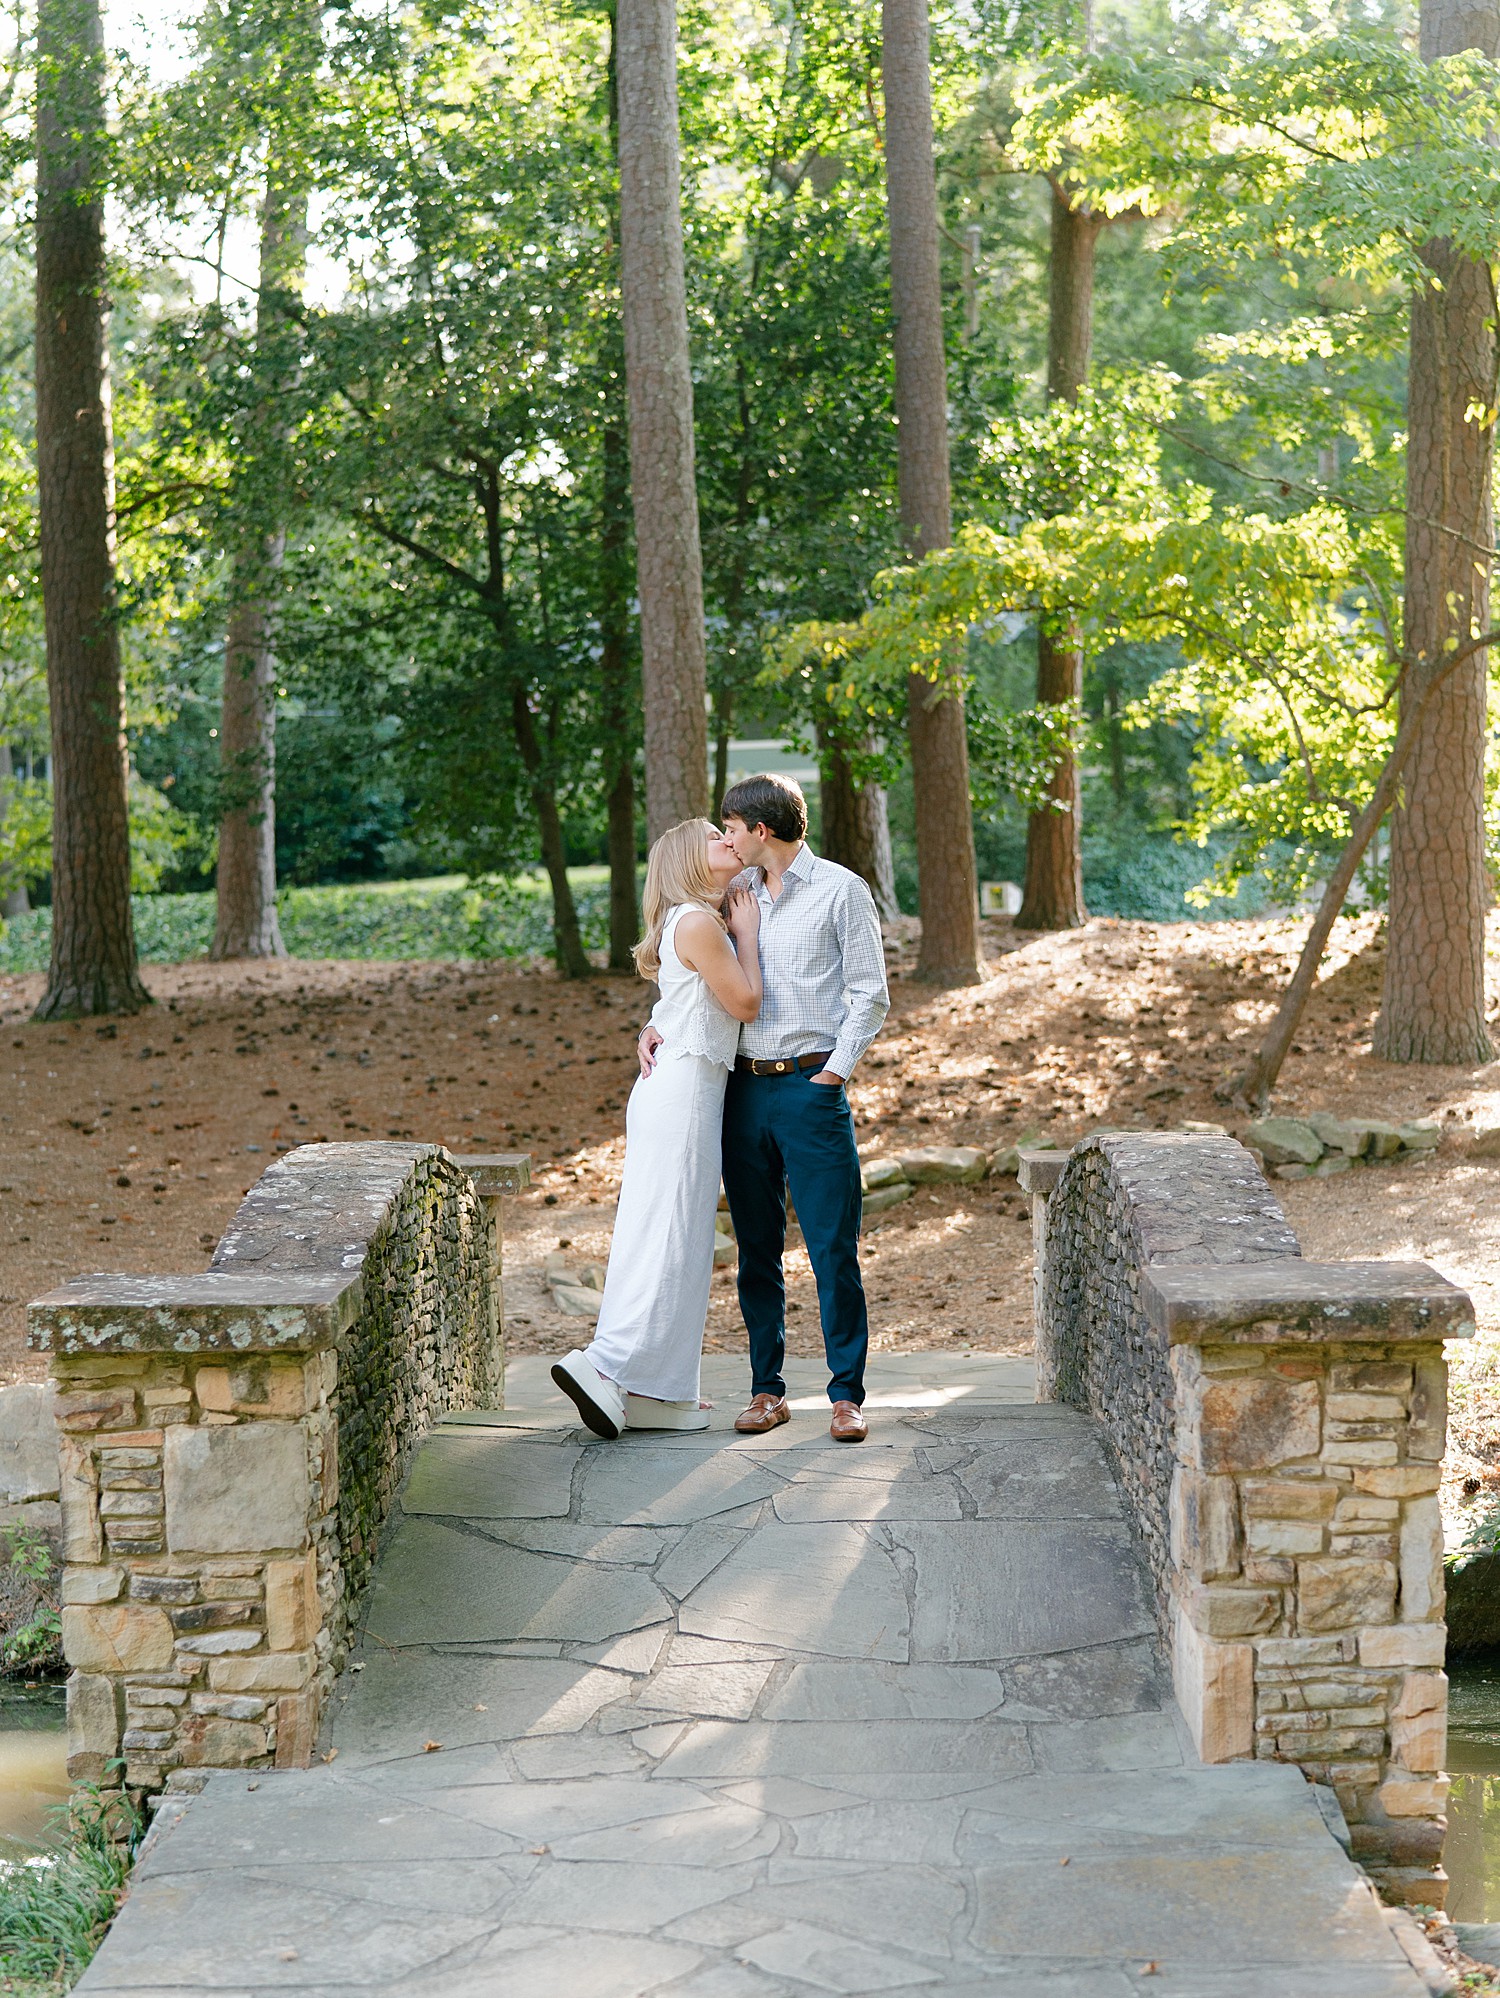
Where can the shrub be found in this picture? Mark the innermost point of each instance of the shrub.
(56, 1905)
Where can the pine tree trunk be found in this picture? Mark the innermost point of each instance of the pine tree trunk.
(93, 968)
(1052, 895)
(614, 604)
(246, 924)
(567, 938)
(948, 890)
(856, 829)
(614, 676)
(669, 570)
(1432, 1005)
(1052, 898)
(723, 722)
(14, 901)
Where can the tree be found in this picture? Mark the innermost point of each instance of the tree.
(856, 828)
(93, 967)
(1432, 1006)
(659, 384)
(1052, 897)
(947, 883)
(615, 662)
(246, 923)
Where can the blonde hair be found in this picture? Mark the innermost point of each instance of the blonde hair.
(676, 872)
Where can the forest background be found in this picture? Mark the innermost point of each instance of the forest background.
(363, 268)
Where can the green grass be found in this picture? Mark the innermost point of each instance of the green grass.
(56, 1905)
(443, 917)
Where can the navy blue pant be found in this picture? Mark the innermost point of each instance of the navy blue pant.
(785, 1131)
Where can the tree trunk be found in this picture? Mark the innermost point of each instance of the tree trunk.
(1432, 1005)
(856, 830)
(614, 606)
(93, 968)
(14, 901)
(723, 724)
(947, 874)
(669, 569)
(567, 939)
(1052, 898)
(246, 924)
(614, 675)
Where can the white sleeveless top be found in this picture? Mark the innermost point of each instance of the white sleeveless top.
(688, 1017)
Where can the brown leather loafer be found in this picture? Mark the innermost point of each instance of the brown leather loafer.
(767, 1411)
(848, 1424)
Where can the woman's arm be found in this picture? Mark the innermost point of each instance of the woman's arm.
(731, 971)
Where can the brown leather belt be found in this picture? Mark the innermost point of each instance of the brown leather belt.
(753, 1067)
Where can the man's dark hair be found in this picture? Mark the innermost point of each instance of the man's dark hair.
(776, 803)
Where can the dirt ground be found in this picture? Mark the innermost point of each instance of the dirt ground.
(127, 1145)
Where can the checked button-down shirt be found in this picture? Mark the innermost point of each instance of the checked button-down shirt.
(822, 965)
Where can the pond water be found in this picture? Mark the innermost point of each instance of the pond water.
(1471, 1851)
(33, 1765)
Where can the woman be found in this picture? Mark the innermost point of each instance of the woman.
(641, 1372)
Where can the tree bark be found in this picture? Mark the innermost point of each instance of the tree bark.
(15, 901)
(669, 567)
(567, 940)
(1052, 897)
(246, 923)
(1432, 1004)
(856, 829)
(947, 874)
(93, 967)
(614, 605)
(614, 675)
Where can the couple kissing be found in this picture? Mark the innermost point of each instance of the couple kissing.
(771, 972)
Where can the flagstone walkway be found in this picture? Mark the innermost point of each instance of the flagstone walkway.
(724, 1717)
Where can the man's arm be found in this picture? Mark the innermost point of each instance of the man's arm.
(858, 926)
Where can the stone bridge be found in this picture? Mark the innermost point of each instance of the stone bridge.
(1078, 1680)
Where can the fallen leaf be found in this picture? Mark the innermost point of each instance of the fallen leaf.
(1150, 1969)
(537, 1851)
(330, 1755)
(480, 1709)
(289, 1956)
(1065, 1860)
(431, 1747)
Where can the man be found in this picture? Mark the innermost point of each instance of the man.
(786, 1118)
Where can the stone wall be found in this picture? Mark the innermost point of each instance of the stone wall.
(230, 1444)
(1278, 1427)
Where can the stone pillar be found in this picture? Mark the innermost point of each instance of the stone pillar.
(1306, 1584)
(230, 1444)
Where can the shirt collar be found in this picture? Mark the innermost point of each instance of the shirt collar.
(800, 870)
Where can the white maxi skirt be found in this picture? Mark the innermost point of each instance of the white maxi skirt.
(649, 1337)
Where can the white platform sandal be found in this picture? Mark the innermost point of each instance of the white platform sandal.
(641, 1412)
(597, 1400)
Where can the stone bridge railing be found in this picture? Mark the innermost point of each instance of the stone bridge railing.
(231, 1442)
(1277, 1427)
